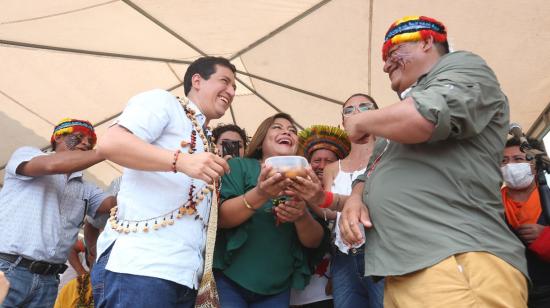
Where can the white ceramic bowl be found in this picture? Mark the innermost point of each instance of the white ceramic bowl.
(289, 166)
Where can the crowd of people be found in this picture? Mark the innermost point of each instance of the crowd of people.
(423, 203)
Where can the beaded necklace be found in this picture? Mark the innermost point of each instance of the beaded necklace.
(195, 196)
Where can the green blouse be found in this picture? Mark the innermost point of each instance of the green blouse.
(259, 255)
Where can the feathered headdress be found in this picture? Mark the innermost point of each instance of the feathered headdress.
(324, 137)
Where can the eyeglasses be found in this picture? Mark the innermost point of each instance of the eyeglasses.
(362, 107)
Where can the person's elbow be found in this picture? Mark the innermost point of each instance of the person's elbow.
(104, 147)
(313, 237)
(314, 243)
(107, 145)
(422, 132)
(107, 205)
(226, 220)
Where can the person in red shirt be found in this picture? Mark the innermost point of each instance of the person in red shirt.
(524, 211)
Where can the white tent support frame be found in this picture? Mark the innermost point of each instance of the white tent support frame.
(291, 56)
(176, 61)
(541, 126)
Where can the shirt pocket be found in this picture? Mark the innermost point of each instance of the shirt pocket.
(74, 208)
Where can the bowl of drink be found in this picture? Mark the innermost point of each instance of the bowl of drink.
(288, 166)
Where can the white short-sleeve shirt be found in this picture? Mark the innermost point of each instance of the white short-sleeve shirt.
(174, 252)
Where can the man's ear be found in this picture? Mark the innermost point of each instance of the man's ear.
(58, 139)
(427, 43)
(196, 81)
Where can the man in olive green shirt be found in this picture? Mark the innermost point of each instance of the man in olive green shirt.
(432, 188)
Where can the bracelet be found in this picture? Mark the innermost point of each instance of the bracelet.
(248, 206)
(176, 155)
(329, 197)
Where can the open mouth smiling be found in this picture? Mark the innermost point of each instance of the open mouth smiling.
(285, 141)
(224, 99)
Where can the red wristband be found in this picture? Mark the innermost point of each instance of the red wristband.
(176, 155)
(329, 197)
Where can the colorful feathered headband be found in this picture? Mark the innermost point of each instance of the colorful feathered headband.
(325, 137)
(69, 126)
(412, 29)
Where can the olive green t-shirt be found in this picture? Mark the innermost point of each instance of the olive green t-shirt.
(430, 200)
(258, 254)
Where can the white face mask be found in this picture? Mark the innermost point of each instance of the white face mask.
(518, 175)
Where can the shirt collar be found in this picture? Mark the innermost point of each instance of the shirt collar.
(403, 94)
(77, 174)
(198, 114)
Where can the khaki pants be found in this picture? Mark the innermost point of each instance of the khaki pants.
(472, 279)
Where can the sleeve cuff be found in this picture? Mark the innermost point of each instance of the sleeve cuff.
(360, 179)
(433, 107)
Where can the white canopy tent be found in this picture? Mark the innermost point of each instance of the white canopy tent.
(86, 58)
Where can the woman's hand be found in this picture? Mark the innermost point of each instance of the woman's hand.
(309, 189)
(271, 185)
(290, 211)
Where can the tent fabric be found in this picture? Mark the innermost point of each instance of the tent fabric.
(86, 58)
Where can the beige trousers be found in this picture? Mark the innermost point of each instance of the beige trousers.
(472, 279)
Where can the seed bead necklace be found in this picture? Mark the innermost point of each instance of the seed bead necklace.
(195, 196)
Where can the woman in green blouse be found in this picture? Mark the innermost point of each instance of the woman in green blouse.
(263, 250)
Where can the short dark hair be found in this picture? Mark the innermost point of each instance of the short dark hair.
(205, 67)
(222, 128)
(534, 143)
(442, 47)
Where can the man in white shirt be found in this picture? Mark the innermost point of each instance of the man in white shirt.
(151, 251)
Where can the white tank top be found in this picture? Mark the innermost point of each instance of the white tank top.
(343, 180)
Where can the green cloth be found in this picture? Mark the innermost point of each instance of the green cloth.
(431, 200)
(258, 255)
